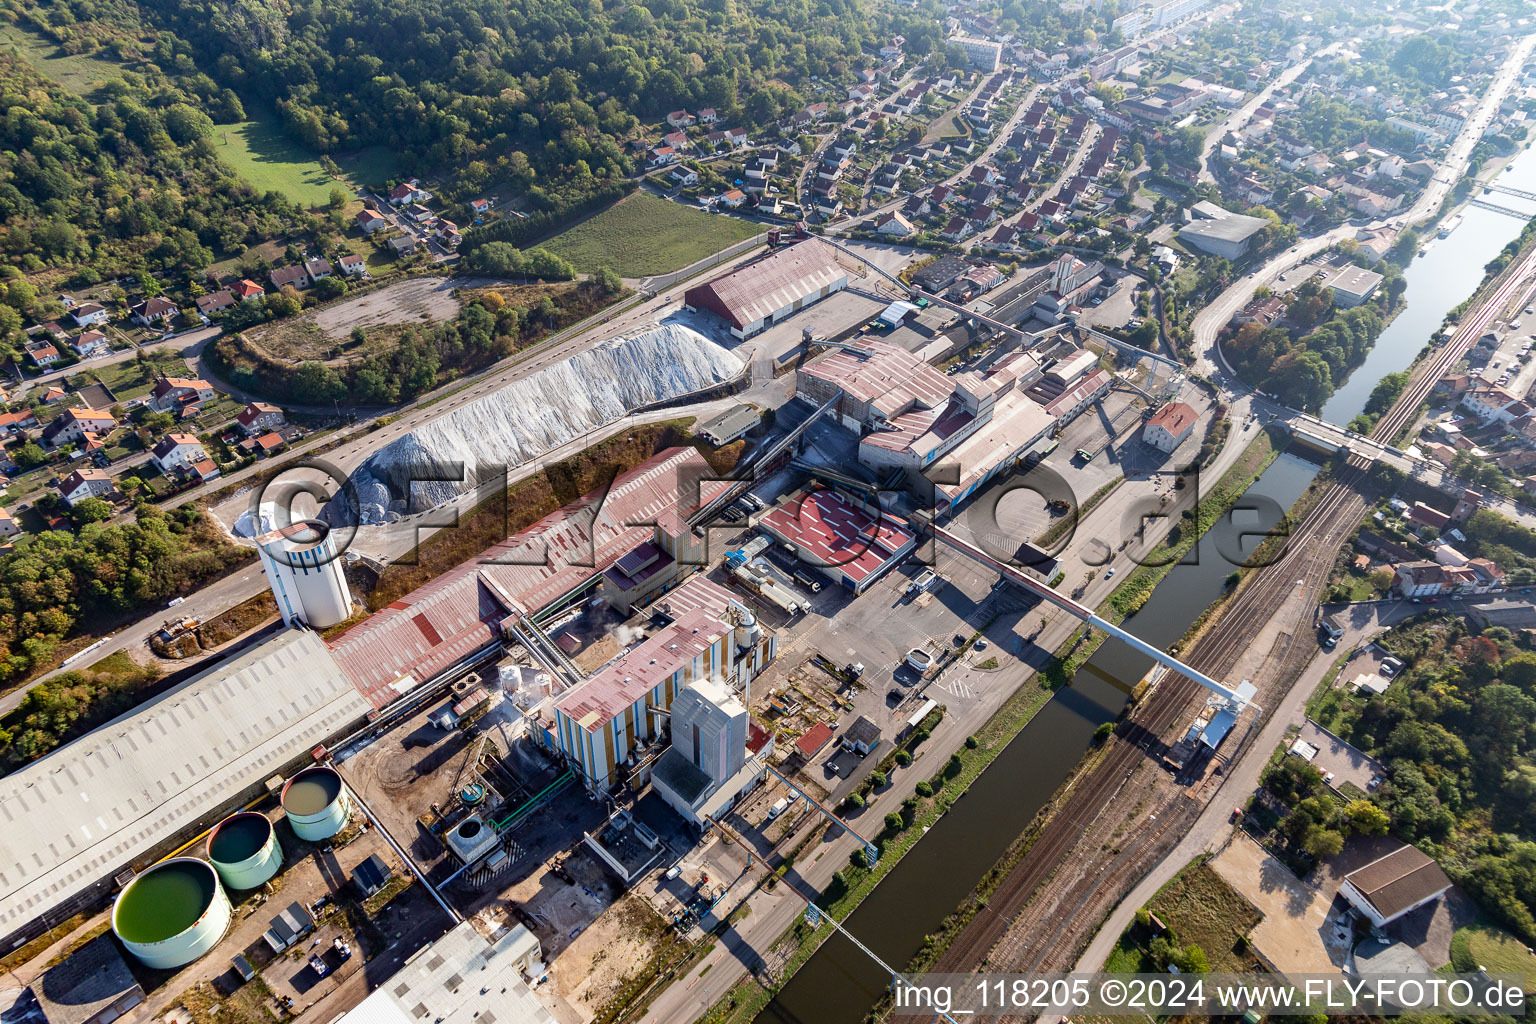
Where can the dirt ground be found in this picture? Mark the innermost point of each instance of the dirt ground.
(426, 299)
(1291, 936)
(594, 967)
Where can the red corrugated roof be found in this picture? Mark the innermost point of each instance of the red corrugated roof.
(814, 739)
(464, 606)
(828, 530)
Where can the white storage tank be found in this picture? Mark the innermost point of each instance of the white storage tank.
(317, 803)
(173, 913)
(304, 571)
(243, 849)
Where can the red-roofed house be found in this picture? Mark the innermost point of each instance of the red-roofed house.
(259, 418)
(1169, 426)
(171, 393)
(176, 452)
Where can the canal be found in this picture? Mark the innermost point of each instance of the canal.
(1438, 281)
(839, 985)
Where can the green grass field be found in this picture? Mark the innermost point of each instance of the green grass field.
(79, 74)
(1495, 950)
(644, 234)
(259, 151)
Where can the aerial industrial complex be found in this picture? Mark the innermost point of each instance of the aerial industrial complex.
(664, 604)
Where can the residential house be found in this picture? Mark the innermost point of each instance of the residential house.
(89, 314)
(370, 220)
(92, 343)
(681, 119)
(408, 192)
(156, 310)
(661, 156)
(894, 225)
(297, 276)
(957, 230)
(176, 452)
(42, 353)
(684, 177)
(1430, 579)
(85, 482)
(1263, 312)
(353, 265)
(260, 418)
(733, 198)
(318, 267)
(480, 207)
(204, 471)
(246, 290)
(402, 245)
(1394, 885)
(9, 527)
(1170, 426)
(1492, 403)
(171, 393)
(72, 425)
(708, 116)
(215, 302)
(419, 213)
(13, 423)
(447, 232)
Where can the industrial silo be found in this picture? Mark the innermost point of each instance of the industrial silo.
(244, 850)
(304, 570)
(173, 913)
(317, 803)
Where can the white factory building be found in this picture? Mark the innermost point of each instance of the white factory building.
(707, 767)
(462, 978)
(74, 819)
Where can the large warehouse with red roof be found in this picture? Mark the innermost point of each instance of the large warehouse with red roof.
(769, 289)
(846, 542)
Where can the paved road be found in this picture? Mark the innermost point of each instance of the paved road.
(999, 137)
(1239, 780)
(1240, 117)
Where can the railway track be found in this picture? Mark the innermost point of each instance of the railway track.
(1304, 557)
(1305, 561)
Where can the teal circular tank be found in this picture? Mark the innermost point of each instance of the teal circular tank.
(173, 913)
(472, 794)
(243, 848)
(317, 803)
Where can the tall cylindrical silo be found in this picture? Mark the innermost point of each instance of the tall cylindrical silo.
(243, 848)
(304, 570)
(173, 913)
(317, 803)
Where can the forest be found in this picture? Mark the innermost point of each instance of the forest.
(538, 97)
(55, 581)
(1458, 736)
(1311, 351)
(126, 187)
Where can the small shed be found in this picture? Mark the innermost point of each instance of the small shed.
(289, 926)
(862, 737)
(371, 875)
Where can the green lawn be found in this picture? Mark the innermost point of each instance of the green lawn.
(262, 154)
(79, 74)
(644, 234)
(1495, 950)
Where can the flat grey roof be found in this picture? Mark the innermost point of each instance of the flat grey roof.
(90, 980)
(734, 420)
(85, 811)
(1234, 227)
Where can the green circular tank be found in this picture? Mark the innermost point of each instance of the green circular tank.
(173, 913)
(243, 848)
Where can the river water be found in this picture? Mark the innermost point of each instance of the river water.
(839, 985)
(1438, 281)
